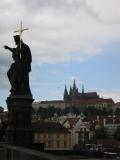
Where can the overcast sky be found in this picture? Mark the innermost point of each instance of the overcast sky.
(69, 39)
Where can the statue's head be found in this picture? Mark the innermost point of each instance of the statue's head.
(17, 39)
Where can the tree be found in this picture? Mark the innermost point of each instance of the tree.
(117, 134)
(117, 112)
(100, 133)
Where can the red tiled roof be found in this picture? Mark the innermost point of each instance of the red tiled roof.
(95, 101)
(72, 121)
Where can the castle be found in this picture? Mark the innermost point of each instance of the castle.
(77, 99)
(85, 99)
(75, 95)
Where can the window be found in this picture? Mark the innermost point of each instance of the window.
(58, 136)
(49, 144)
(49, 136)
(44, 136)
(58, 144)
(41, 136)
(65, 136)
(65, 144)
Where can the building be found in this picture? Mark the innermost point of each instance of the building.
(53, 135)
(3, 115)
(71, 124)
(110, 123)
(80, 131)
(76, 99)
(1, 109)
(52, 103)
(85, 99)
(83, 132)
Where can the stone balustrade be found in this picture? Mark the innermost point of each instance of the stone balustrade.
(10, 152)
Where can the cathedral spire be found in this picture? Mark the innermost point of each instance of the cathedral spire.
(74, 85)
(65, 93)
(70, 92)
(82, 89)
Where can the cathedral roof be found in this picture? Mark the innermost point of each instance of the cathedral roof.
(89, 95)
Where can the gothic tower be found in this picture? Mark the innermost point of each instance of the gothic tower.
(74, 90)
(66, 96)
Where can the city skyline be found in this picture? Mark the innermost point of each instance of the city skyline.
(72, 39)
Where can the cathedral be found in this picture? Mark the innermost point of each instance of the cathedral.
(85, 98)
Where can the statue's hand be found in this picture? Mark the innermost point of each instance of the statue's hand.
(6, 47)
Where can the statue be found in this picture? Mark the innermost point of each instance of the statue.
(18, 74)
(19, 102)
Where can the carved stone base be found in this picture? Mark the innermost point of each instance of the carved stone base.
(19, 131)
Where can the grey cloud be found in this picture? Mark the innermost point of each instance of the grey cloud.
(57, 28)
(70, 6)
(5, 62)
(60, 30)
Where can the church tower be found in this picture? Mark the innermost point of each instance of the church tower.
(66, 96)
(74, 85)
(74, 90)
(70, 93)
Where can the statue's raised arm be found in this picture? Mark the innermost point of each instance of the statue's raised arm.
(7, 47)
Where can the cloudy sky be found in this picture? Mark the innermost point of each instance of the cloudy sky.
(69, 39)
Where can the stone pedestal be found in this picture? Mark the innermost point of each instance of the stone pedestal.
(19, 131)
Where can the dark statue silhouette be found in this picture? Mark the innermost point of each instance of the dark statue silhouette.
(18, 74)
(19, 103)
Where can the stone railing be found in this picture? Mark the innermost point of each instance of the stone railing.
(10, 152)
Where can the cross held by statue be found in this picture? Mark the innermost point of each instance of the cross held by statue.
(20, 30)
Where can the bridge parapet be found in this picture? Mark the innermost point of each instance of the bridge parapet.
(10, 152)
